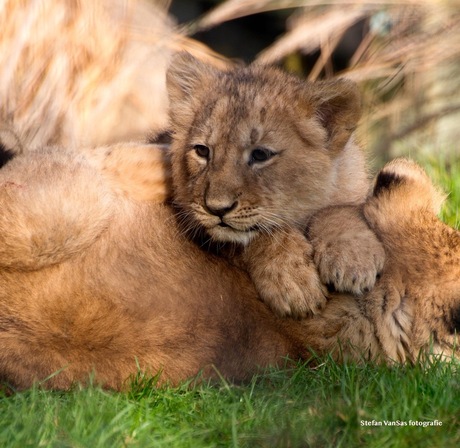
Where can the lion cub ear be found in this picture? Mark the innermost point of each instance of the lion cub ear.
(338, 108)
(184, 77)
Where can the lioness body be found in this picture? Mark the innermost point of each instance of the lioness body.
(93, 281)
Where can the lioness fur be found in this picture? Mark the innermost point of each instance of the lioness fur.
(94, 282)
(85, 72)
(254, 155)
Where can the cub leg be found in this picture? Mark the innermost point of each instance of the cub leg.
(281, 267)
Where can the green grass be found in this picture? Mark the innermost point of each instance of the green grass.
(285, 408)
(300, 407)
(447, 175)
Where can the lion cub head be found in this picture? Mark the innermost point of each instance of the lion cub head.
(255, 148)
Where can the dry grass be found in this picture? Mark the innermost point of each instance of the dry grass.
(408, 61)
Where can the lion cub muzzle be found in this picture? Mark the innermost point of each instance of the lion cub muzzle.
(229, 221)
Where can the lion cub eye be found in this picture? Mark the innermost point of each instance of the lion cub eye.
(202, 151)
(260, 155)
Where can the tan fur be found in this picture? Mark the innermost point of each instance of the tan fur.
(140, 171)
(264, 206)
(125, 289)
(31, 237)
(339, 236)
(85, 72)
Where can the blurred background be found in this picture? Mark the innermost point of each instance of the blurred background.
(92, 72)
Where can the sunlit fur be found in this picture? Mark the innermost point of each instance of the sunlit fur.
(97, 283)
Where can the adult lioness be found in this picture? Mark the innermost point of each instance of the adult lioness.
(255, 153)
(94, 281)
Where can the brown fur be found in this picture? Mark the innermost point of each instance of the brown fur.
(83, 294)
(93, 281)
(416, 302)
(222, 121)
(95, 275)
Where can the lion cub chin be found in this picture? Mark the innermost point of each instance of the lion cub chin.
(255, 154)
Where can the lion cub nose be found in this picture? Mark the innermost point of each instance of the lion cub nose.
(220, 208)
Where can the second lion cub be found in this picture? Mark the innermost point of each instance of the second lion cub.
(255, 153)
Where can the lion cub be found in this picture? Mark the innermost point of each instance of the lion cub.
(255, 153)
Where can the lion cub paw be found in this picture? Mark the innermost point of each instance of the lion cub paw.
(347, 253)
(352, 264)
(284, 274)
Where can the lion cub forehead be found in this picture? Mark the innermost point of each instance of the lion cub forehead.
(230, 121)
